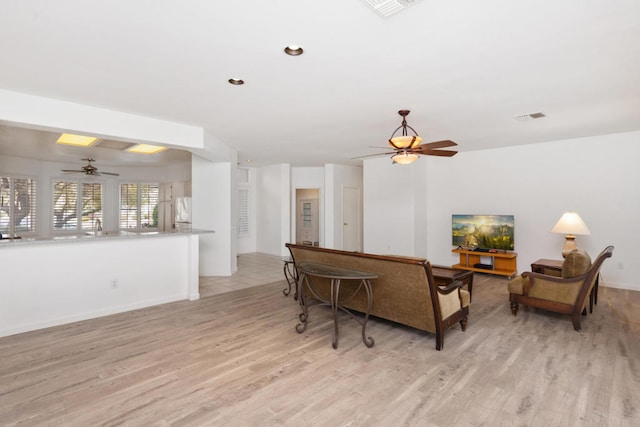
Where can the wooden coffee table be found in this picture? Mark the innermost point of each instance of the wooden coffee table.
(446, 275)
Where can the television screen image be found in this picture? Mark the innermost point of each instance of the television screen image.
(483, 231)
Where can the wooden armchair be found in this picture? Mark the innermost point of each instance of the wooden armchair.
(567, 294)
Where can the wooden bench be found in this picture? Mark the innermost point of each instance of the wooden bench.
(405, 291)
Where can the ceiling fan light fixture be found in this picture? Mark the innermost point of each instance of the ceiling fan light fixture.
(404, 158)
(146, 149)
(404, 140)
(407, 148)
(76, 140)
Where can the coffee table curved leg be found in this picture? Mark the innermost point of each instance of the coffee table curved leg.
(335, 292)
(302, 326)
(286, 291)
(290, 274)
(368, 341)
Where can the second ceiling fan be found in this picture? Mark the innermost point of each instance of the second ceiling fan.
(89, 169)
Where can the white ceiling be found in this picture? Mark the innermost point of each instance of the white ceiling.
(464, 68)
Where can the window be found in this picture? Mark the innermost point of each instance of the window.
(17, 205)
(243, 220)
(76, 205)
(139, 206)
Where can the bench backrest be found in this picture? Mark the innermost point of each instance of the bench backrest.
(401, 293)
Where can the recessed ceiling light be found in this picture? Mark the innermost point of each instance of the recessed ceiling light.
(293, 50)
(77, 140)
(236, 82)
(146, 149)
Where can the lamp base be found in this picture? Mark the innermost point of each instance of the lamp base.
(569, 245)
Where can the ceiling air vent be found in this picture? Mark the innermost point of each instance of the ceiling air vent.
(530, 116)
(387, 8)
(116, 145)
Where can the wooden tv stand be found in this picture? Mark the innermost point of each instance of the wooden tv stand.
(502, 263)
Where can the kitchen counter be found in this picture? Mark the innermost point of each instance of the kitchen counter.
(91, 236)
(57, 280)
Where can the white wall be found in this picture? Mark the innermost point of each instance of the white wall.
(38, 112)
(420, 208)
(273, 186)
(55, 283)
(388, 212)
(597, 177)
(212, 209)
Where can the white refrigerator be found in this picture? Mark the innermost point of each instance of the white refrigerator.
(183, 213)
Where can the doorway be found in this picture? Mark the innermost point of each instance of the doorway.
(308, 216)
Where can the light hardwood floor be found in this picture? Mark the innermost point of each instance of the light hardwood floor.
(234, 359)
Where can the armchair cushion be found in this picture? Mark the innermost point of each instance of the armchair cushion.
(543, 289)
(516, 285)
(576, 263)
(451, 303)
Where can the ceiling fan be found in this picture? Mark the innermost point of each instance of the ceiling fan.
(407, 148)
(90, 169)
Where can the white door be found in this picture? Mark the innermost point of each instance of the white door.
(351, 219)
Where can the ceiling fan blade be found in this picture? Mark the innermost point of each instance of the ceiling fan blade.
(438, 144)
(372, 155)
(90, 170)
(442, 153)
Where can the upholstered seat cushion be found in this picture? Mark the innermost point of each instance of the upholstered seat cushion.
(450, 303)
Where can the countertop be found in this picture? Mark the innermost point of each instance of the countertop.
(90, 236)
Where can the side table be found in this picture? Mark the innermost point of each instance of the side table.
(446, 275)
(307, 271)
(550, 267)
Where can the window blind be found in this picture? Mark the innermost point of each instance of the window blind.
(139, 206)
(128, 206)
(65, 205)
(91, 205)
(149, 205)
(17, 205)
(243, 220)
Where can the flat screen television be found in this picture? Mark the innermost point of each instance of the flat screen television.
(483, 231)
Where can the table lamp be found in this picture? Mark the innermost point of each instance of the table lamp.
(570, 224)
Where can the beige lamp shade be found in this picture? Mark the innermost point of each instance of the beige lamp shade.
(570, 224)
